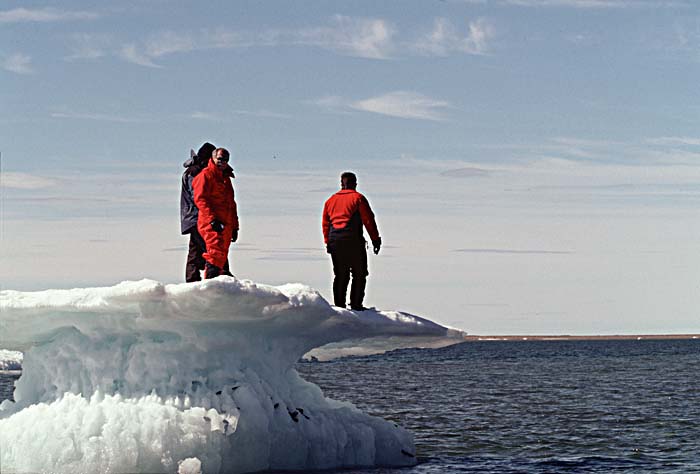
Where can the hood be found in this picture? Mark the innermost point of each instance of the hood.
(192, 160)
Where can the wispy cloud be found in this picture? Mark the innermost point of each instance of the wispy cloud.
(44, 15)
(95, 116)
(445, 38)
(593, 3)
(15, 180)
(170, 43)
(466, 172)
(332, 103)
(18, 63)
(132, 54)
(89, 46)
(585, 155)
(514, 251)
(371, 38)
(199, 115)
(679, 141)
(361, 37)
(404, 104)
(261, 113)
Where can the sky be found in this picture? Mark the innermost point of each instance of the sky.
(534, 166)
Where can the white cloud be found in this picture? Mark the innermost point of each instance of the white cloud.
(44, 15)
(18, 63)
(404, 104)
(445, 38)
(14, 180)
(361, 37)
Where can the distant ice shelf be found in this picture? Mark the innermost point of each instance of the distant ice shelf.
(199, 377)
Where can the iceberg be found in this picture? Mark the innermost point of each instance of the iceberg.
(195, 377)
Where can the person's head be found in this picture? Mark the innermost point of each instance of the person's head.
(348, 180)
(204, 153)
(220, 157)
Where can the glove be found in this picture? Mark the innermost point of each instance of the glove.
(376, 245)
(234, 236)
(217, 226)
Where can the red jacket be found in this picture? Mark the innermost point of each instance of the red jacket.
(342, 214)
(213, 196)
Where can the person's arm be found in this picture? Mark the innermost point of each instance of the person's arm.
(326, 223)
(201, 190)
(234, 216)
(367, 217)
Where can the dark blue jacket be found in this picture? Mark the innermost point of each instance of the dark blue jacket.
(188, 211)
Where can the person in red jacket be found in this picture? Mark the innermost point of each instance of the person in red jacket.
(344, 214)
(217, 221)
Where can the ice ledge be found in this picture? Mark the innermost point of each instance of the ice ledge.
(287, 311)
(148, 377)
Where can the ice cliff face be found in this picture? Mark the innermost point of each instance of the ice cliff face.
(143, 377)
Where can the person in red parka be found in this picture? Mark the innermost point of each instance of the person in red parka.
(344, 214)
(217, 221)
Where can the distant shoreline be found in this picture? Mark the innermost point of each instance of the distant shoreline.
(564, 337)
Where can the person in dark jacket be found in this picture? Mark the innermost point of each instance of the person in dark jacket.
(344, 214)
(189, 212)
(217, 221)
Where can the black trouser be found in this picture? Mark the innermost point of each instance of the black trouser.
(349, 257)
(195, 261)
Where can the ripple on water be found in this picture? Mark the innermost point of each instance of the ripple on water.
(529, 407)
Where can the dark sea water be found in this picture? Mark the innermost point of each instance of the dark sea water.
(530, 407)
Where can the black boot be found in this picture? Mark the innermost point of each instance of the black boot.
(226, 271)
(211, 271)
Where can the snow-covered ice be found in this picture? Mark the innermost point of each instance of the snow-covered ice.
(199, 377)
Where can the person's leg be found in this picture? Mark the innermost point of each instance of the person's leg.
(217, 244)
(195, 261)
(358, 267)
(341, 272)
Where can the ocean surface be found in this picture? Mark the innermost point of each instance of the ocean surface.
(529, 406)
